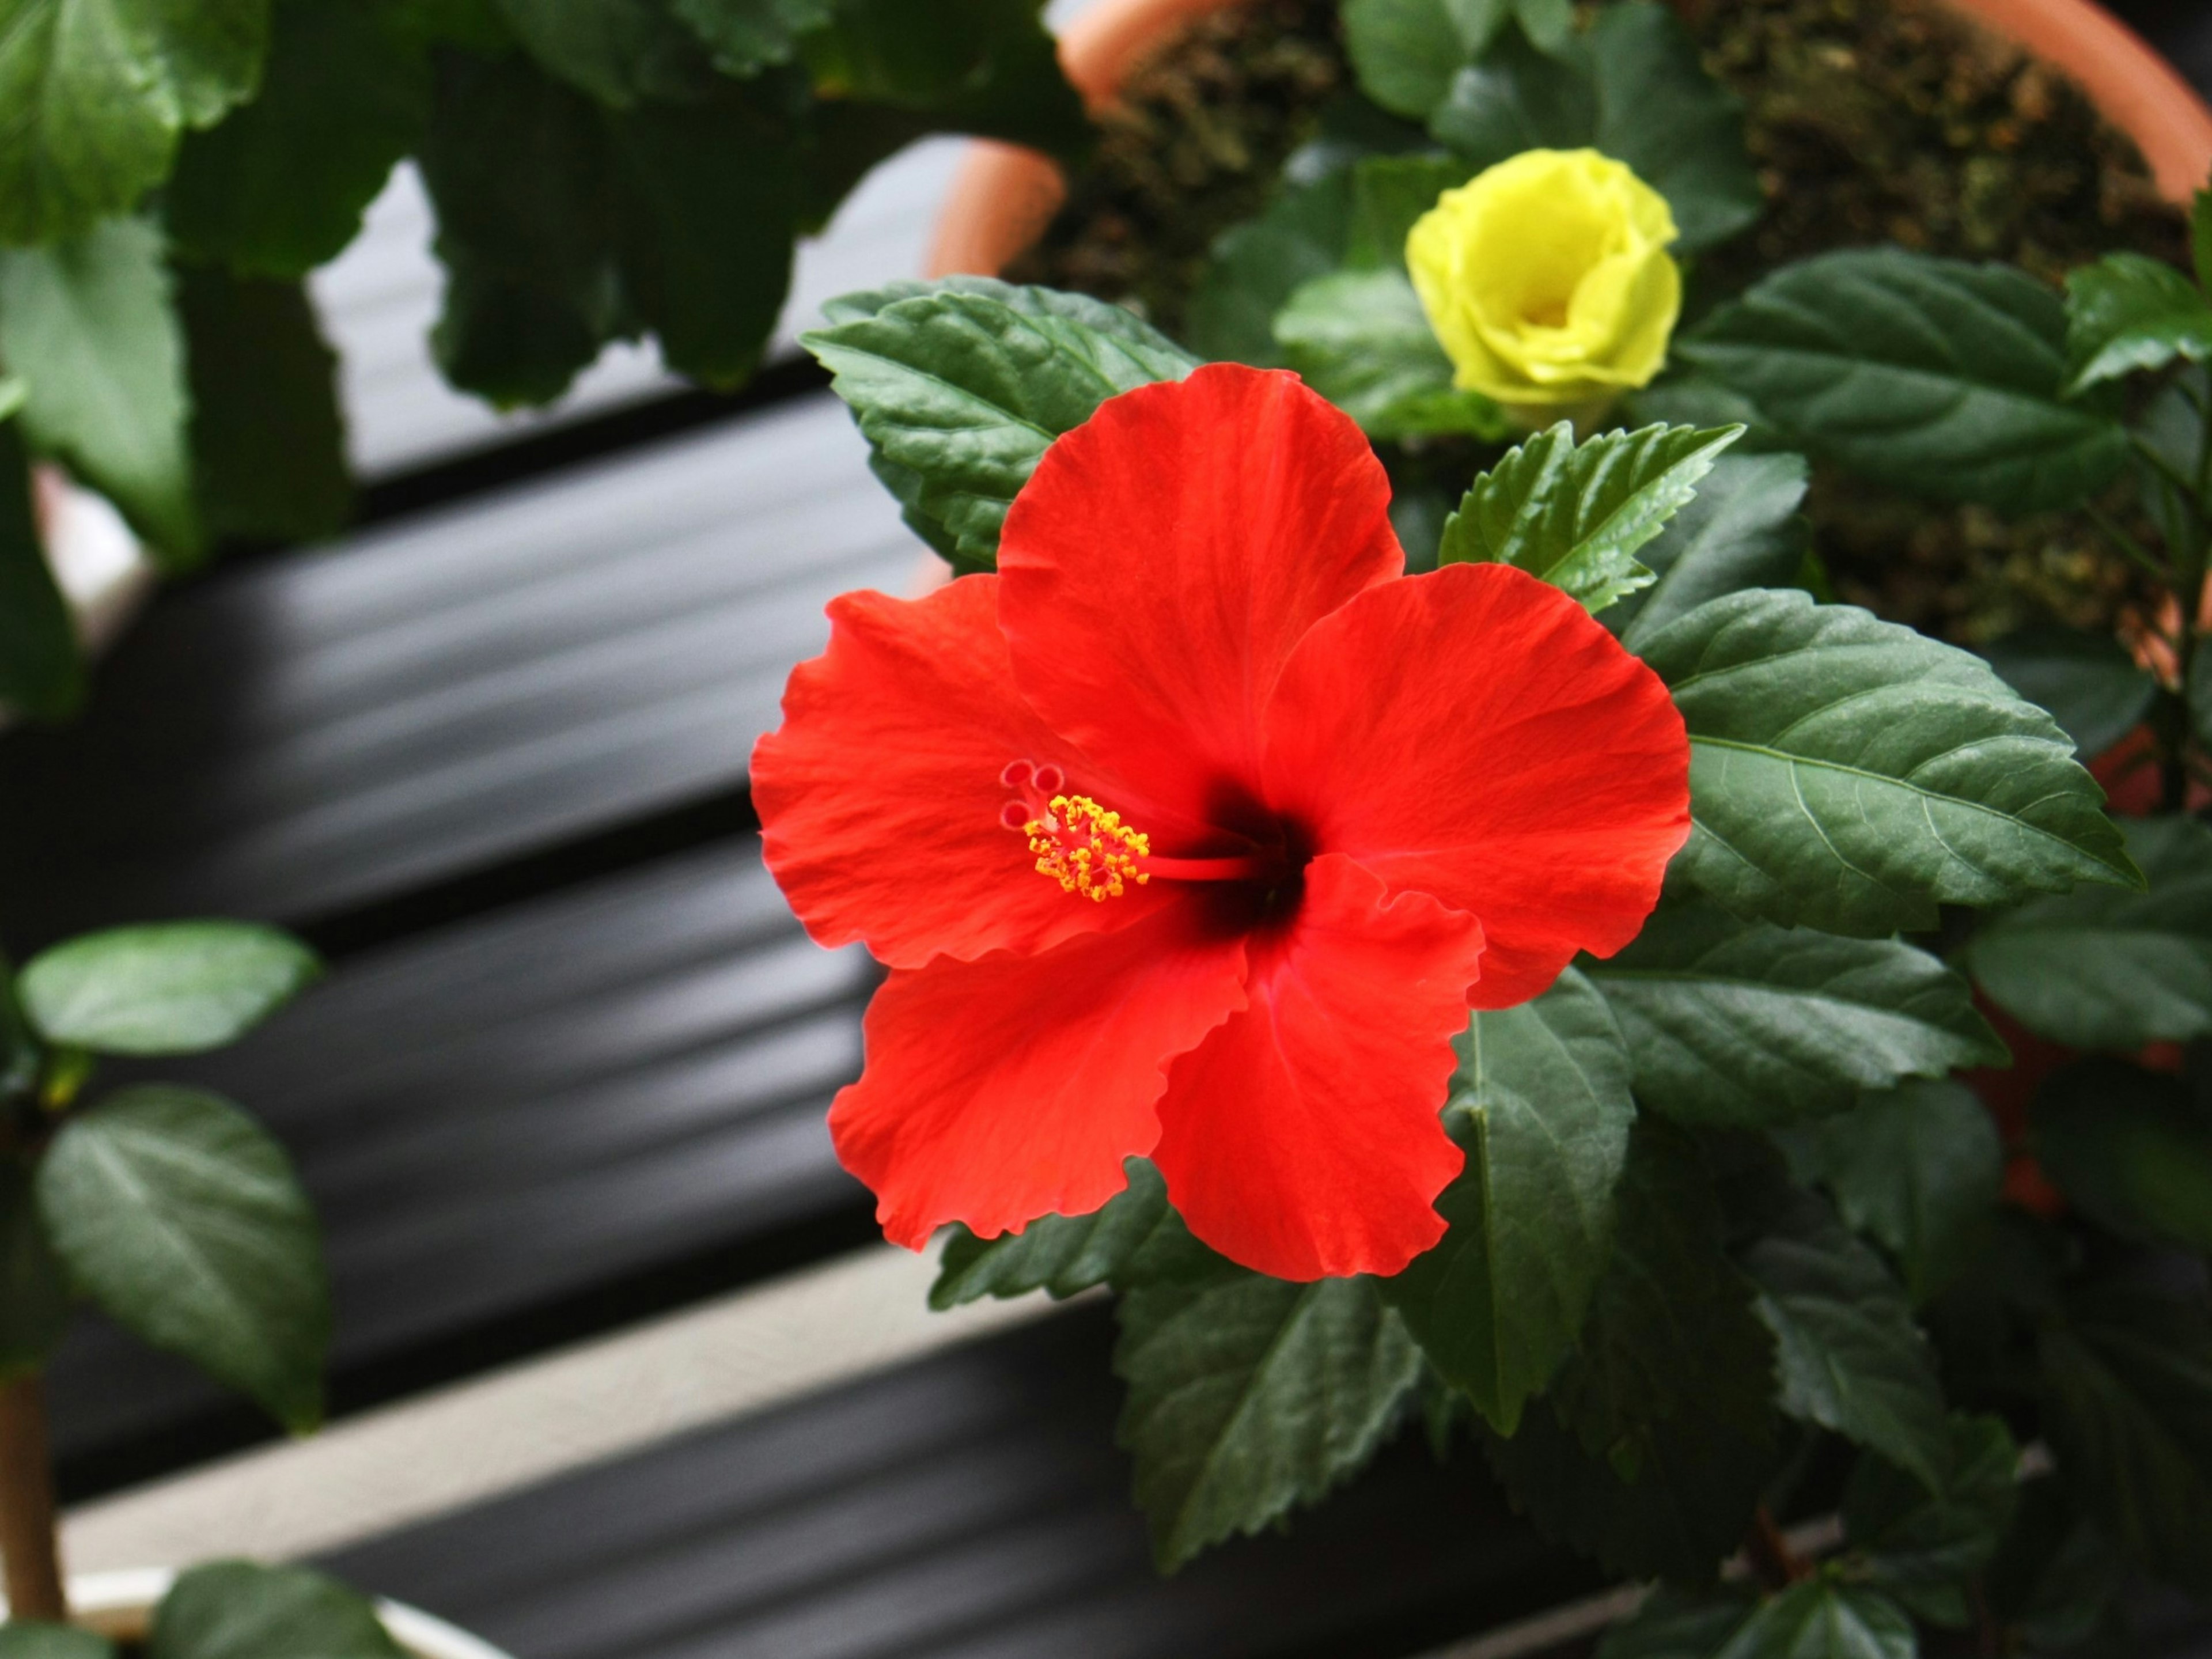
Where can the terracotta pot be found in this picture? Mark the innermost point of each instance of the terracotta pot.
(1005, 196)
(120, 1605)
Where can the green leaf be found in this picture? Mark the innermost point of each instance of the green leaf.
(1822, 1619)
(1677, 1625)
(97, 92)
(2128, 313)
(267, 434)
(2131, 1148)
(27, 1638)
(1575, 515)
(2103, 969)
(41, 665)
(1679, 130)
(1917, 1169)
(242, 1610)
(747, 36)
(1248, 1395)
(1389, 195)
(1931, 376)
(1541, 1107)
(1254, 268)
(1062, 1255)
(1926, 1548)
(1740, 1024)
(1741, 530)
(2128, 1411)
(90, 324)
(174, 988)
(1660, 1433)
(1361, 339)
(35, 1293)
(2088, 682)
(2200, 698)
(1518, 97)
(2200, 238)
(2056, 1577)
(964, 382)
(1849, 775)
(279, 187)
(1852, 1358)
(620, 52)
(1406, 52)
(181, 1217)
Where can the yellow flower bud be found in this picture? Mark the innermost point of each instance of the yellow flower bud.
(1547, 278)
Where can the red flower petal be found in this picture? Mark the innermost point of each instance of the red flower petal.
(1474, 734)
(1302, 1138)
(1165, 557)
(1011, 1087)
(879, 797)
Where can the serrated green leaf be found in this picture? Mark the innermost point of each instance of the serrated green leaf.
(1248, 1396)
(1678, 129)
(268, 437)
(174, 988)
(1850, 775)
(620, 52)
(2128, 313)
(1575, 515)
(1918, 1168)
(243, 1610)
(1361, 339)
(963, 383)
(1741, 529)
(280, 185)
(1924, 1548)
(1542, 1106)
(1744, 1025)
(35, 1293)
(1931, 376)
(1062, 1255)
(41, 664)
(2131, 1148)
(97, 92)
(1254, 268)
(2127, 1398)
(747, 36)
(27, 1638)
(182, 1218)
(90, 324)
(1678, 1625)
(2088, 682)
(1822, 1619)
(1851, 1358)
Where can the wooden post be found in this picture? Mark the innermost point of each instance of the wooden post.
(28, 1543)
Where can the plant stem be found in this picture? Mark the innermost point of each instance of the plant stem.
(1776, 1565)
(2118, 533)
(27, 1542)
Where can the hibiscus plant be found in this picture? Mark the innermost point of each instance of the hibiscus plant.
(177, 1217)
(599, 170)
(1554, 995)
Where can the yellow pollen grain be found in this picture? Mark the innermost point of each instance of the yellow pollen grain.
(1087, 849)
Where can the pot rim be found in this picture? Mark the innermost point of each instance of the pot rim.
(1003, 196)
(104, 1600)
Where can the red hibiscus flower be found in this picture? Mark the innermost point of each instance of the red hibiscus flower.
(1195, 832)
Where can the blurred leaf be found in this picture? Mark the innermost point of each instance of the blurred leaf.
(1361, 339)
(1518, 97)
(2131, 1148)
(1822, 1619)
(268, 437)
(35, 1293)
(620, 52)
(88, 324)
(2088, 681)
(1741, 530)
(1389, 195)
(182, 1218)
(747, 36)
(279, 187)
(27, 1638)
(1926, 1548)
(1406, 52)
(97, 92)
(1678, 128)
(1059, 1254)
(41, 666)
(2128, 313)
(242, 1610)
(2056, 1577)
(172, 988)
(1542, 1106)
(1674, 1623)
(1255, 267)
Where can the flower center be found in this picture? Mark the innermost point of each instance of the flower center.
(1091, 852)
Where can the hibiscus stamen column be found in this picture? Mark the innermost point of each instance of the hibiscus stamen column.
(1089, 850)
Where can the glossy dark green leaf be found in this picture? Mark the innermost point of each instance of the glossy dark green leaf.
(1850, 775)
(1361, 339)
(1248, 1396)
(2128, 313)
(243, 1610)
(1061, 1254)
(172, 988)
(1925, 1547)
(1931, 376)
(27, 1638)
(1678, 129)
(97, 92)
(34, 1292)
(90, 327)
(963, 383)
(279, 187)
(1678, 1625)
(41, 665)
(182, 1218)
(1518, 97)
(268, 437)
(2127, 1385)
(1741, 529)
(747, 36)
(1541, 1107)
(2057, 1579)
(1917, 1169)
(1254, 268)
(1823, 1619)
(2111, 968)
(1746, 1024)
(2088, 681)
(2131, 1148)
(620, 52)
(1576, 514)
